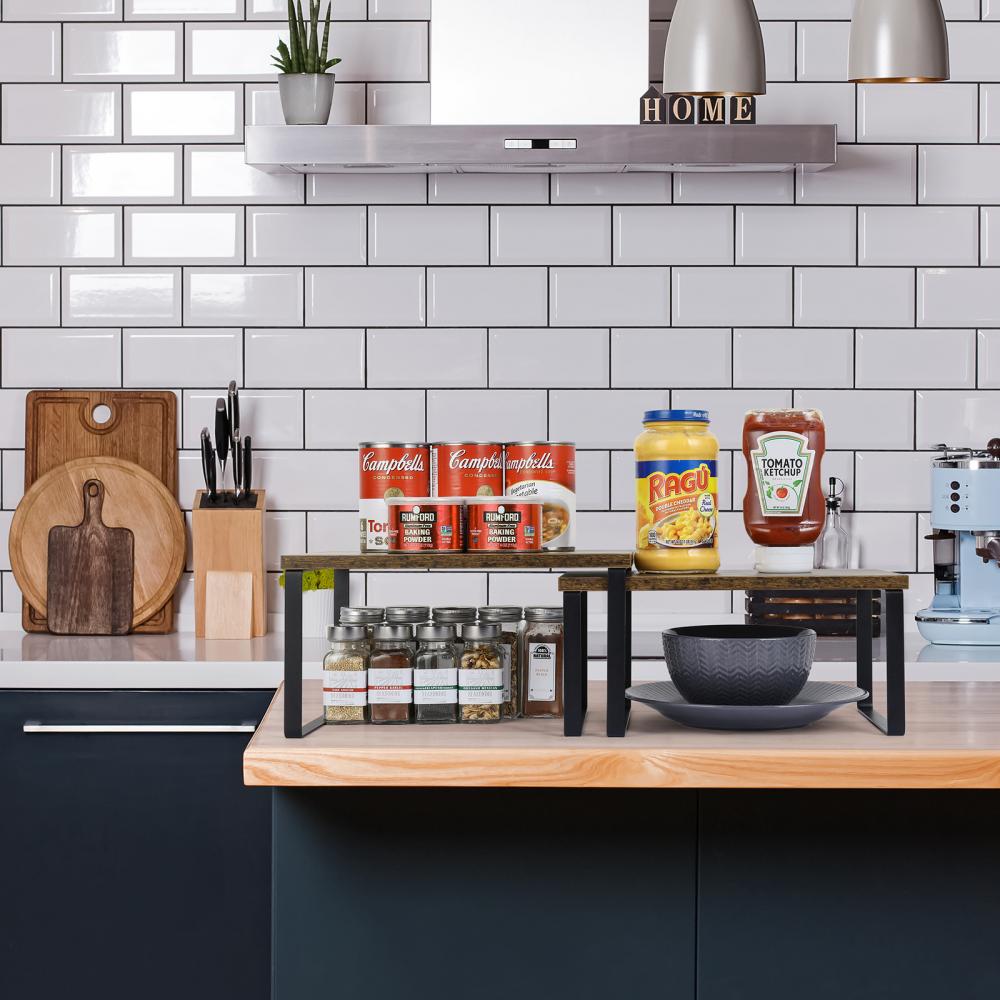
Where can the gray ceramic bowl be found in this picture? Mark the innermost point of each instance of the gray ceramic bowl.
(739, 664)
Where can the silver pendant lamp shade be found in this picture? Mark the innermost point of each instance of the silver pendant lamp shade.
(714, 47)
(898, 41)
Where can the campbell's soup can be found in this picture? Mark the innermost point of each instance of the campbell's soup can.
(546, 471)
(503, 524)
(426, 524)
(388, 470)
(467, 469)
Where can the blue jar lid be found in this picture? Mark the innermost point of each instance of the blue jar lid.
(679, 416)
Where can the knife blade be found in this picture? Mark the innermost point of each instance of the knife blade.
(234, 415)
(237, 471)
(208, 463)
(247, 465)
(222, 436)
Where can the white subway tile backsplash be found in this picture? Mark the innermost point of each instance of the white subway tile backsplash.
(866, 419)
(767, 188)
(609, 531)
(904, 359)
(399, 10)
(610, 296)
(399, 104)
(682, 357)
(259, 296)
(925, 236)
(286, 358)
(182, 10)
(57, 113)
(277, 10)
(424, 358)
(62, 10)
(399, 234)
(480, 296)
(493, 415)
(562, 234)
(124, 296)
(989, 359)
(32, 53)
(929, 113)
(488, 189)
(230, 52)
(60, 358)
(263, 105)
(55, 235)
(674, 234)
(779, 50)
(822, 51)
(305, 480)
(334, 531)
(220, 175)
(131, 52)
(366, 189)
(29, 175)
(958, 296)
(593, 477)
(989, 231)
(607, 189)
(989, 112)
(974, 50)
(549, 358)
(796, 103)
(442, 589)
(272, 418)
(29, 296)
(959, 175)
(775, 358)
(839, 296)
(958, 418)
(360, 296)
(727, 408)
(174, 113)
(183, 235)
(121, 174)
(169, 358)
(885, 541)
(283, 533)
(721, 296)
(795, 235)
(600, 418)
(343, 419)
(888, 480)
(871, 175)
(13, 477)
(301, 235)
(790, 10)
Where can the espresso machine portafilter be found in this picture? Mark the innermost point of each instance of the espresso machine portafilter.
(965, 516)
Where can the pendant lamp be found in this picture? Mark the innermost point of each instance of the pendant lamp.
(714, 47)
(898, 41)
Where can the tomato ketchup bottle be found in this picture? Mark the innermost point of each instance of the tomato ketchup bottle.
(784, 509)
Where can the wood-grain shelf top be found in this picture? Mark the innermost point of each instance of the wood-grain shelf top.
(364, 561)
(818, 579)
(952, 741)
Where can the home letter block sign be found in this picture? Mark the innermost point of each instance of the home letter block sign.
(688, 109)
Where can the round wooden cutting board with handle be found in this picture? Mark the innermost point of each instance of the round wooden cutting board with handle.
(133, 499)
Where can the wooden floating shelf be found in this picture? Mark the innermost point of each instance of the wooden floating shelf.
(820, 579)
(953, 741)
(371, 561)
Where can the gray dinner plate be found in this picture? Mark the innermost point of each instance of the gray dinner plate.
(816, 700)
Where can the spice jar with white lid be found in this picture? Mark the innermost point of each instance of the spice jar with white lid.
(407, 616)
(509, 619)
(390, 675)
(435, 674)
(542, 680)
(480, 676)
(345, 676)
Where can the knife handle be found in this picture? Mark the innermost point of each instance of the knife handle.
(222, 434)
(247, 465)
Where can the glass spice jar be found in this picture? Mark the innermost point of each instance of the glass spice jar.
(435, 674)
(480, 676)
(345, 676)
(509, 620)
(542, 680)
(390, 675)
(369, 617)
(407, 616)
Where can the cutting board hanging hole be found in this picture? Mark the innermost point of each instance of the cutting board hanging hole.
(101, 414)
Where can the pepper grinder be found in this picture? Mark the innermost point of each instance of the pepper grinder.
(833, 550)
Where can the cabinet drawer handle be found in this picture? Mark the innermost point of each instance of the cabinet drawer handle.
(45, 727)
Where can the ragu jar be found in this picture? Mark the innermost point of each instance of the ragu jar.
(784, 508)
(387, 471)
(467, 469)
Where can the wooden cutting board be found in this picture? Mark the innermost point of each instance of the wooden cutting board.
(133, 499)
(140, 427)
(90, 572)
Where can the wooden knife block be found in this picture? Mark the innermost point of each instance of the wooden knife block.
(228, 543)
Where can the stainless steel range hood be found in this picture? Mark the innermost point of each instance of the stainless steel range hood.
(360, 149)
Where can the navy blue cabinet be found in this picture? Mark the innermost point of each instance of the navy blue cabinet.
(134, 861)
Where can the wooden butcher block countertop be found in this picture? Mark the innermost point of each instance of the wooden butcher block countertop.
(952, 741)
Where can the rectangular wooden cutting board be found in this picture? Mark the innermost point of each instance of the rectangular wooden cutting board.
(138, 426)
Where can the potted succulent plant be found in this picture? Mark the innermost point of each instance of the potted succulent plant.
(317, 601)
(305, 86)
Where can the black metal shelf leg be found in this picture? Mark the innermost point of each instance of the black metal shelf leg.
(293, 654)
(893, 723)
(574, 663)
(619, 658)
(864, 648)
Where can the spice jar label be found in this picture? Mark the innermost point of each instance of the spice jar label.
(435, 687)
(505, 660)
(480, 687)
(390, 686)
(345, 688)
(541, 671)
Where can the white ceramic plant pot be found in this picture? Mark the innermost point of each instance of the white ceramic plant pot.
(317, 613)
(306, 98)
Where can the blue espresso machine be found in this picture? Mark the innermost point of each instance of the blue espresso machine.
(965, 516)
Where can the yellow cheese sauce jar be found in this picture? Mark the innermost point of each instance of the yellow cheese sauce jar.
(676, 501)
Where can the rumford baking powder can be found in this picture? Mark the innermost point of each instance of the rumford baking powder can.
(546, 471)
(504, 525)
(388, 470)
(426, 525)
(467, 469)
